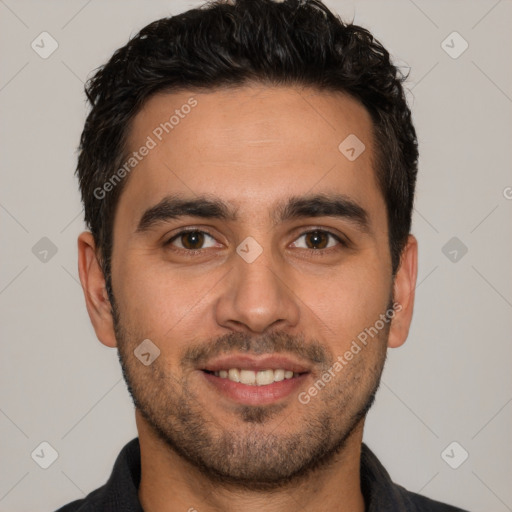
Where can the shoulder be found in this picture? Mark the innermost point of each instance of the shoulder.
(88, 504)
(120, 492)
(382, 494)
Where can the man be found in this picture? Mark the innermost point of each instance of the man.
(248, 173)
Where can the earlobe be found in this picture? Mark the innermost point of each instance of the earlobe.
(93, 286)
(404, 288)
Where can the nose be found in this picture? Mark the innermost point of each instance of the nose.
(257, 296)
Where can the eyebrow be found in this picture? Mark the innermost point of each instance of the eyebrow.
(295, 207)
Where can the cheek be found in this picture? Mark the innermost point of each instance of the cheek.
(351, 301)
(158, 301)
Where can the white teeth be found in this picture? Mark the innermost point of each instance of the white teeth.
(278, 375)
(248, 377)
(252, 378)
(264, 377)
(234, 375)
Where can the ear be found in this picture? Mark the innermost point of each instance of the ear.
(95, 292)
(404, 288)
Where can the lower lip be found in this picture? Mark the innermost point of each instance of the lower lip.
(255, 395)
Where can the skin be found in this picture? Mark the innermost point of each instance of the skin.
(251, 147)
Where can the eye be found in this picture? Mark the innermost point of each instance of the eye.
(318, 239)
(190, 240)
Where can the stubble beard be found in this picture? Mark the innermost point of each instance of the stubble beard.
(257, 453)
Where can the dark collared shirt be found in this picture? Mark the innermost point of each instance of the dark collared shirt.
(120, 493)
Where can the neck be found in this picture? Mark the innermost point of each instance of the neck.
(169, 483)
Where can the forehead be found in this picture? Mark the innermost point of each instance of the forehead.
(250, 146)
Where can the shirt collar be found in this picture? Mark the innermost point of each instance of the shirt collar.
(379, 491)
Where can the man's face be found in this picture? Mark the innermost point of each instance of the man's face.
(228, 306)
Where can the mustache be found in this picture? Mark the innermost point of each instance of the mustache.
(273, 343)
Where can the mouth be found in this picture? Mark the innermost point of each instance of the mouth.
(255, 378)
(255, 381)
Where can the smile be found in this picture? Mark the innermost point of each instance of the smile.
(255, 378)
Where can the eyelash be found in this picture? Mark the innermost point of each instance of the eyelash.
(314, 252)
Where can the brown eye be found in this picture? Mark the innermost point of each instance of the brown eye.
(318, 239)
(191, 240)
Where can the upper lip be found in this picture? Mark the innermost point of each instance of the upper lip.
(247, 362)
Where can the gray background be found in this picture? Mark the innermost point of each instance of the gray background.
(450, 382)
